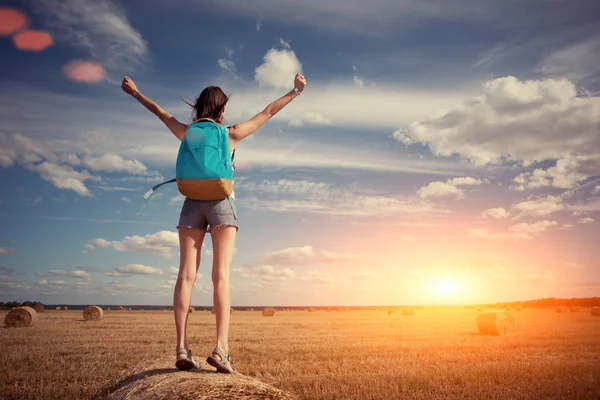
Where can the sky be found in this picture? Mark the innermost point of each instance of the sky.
(443, 152)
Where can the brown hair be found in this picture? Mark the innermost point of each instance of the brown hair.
(210, 104)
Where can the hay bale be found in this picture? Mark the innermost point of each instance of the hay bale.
(573, 309)
(93, 313)
(311, 309)
(21, 317)
(129, 309)
(108, 309)
(391, 310)
(62, 308)
(192, 309)
(39, 307)
(156, 380)
(559, 310)
(495, 322)
(268, 312)
(595, 311)
(408, 311)
(57, 308)
(120, 308)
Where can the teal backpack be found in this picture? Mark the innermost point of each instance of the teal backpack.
(204, 169)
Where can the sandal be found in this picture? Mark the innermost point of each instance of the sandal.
(188, 363)
(222, 364)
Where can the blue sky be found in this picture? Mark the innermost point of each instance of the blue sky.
(436, 142)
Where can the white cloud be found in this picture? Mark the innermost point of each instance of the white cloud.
(138, 269)
(285, 44)
(306, 255)
(449, 188)
(173, 270)
(527, 230)
(515, 232)
(65, 177)
(278, 69)
(160, 243)
(358, 81)
(577, 61)
(586, 220)
(42, 282)
(99, 27)
(308, 118)
(267, 272)
(539, 207)
(111, 162)
(320, 198)
(318, 277)
(126, 200)
(519, 121)
(563, 175)
(38, 157)
(497, 213)
(71, 274)
(5, 250)
(597, 190)
(228, 66)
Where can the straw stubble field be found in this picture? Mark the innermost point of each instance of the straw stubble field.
(435, 354)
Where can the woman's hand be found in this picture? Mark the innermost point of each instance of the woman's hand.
(128, 86)
(300, 82)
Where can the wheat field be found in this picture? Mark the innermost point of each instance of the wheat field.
(434, 354)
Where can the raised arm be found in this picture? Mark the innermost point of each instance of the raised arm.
(240, 131)
(174, 126)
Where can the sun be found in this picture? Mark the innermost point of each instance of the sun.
(445, 288)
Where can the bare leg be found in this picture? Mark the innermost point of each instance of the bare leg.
(190, 244)
(223, 245)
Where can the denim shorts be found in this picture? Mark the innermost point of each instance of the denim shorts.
(208, 214)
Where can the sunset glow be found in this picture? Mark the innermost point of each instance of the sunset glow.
(446, 288)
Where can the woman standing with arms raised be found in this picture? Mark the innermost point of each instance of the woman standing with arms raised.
(217, 217)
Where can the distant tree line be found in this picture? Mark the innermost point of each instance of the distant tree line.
(13, 304)
(553, 302)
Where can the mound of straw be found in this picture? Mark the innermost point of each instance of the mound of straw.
(21, 317)
(93, 313)
(160, 380)
(39, 307)
(408, 311)
(268, 312)
(495, 322)
(596, 311)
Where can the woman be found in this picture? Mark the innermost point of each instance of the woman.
(215, 217)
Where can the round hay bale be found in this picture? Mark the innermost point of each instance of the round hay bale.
(129, 309)
(93, 313)
(573, 309)
(495, 322)
(268, 312)
(408, 311)
(391, 310)
(39, 307)
(120, 308)
(595, 311)
(21, 317)
(63, 308)
(559, 310)
(108, 309)
(192, 309)
(157, 380)
(311, 309)
(57, 308)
